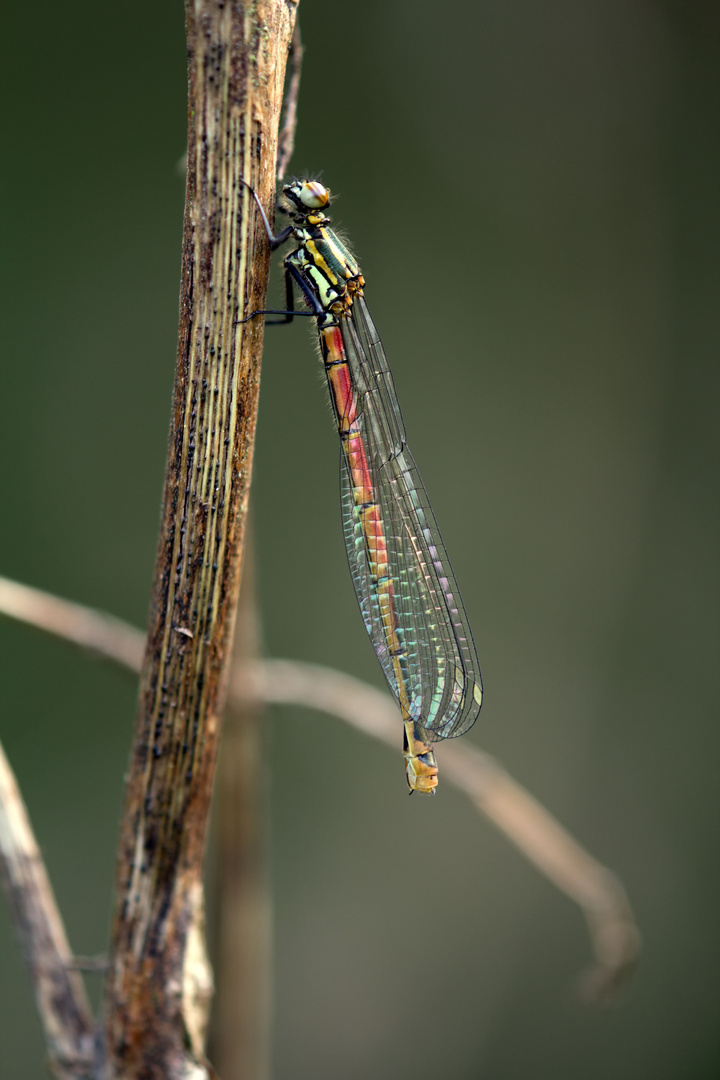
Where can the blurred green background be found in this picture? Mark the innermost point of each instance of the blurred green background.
(532, 191)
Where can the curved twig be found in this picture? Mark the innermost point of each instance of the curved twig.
(614, 933)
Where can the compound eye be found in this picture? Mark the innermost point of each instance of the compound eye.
(314, 195)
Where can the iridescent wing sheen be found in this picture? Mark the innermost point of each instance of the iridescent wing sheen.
(438, 662)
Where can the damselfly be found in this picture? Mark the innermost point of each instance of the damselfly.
(404, 583)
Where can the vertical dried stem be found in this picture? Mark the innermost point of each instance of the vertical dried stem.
(286, 139)
(240, 1030)
(237, 58)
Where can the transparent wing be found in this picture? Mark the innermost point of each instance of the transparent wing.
(416, 620)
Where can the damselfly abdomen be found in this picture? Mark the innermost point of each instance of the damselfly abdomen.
(404, 583)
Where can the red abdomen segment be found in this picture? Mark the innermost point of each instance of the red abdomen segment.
(367, 510)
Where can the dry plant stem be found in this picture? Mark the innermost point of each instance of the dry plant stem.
(528, 825)
(286, 140)
(242, 925)
(93, 630)
(156, 1004)
(59, 992)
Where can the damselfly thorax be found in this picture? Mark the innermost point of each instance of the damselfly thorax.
(403, 580)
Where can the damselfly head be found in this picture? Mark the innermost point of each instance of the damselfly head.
(307, 194)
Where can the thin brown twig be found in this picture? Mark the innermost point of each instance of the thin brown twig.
(59, 992)
(520, 817)
(286, 139)
(83, 626)
(614, 933)
(241, 935)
